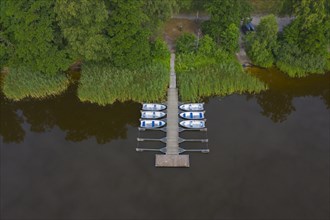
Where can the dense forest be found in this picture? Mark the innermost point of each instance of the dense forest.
(123, 55)
(303, 46)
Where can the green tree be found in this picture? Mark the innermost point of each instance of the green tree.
(28, 32)
(83, 24)
(230, 38)
(223, 14)
(307, 35)
(260, 55)
(262, 45)
(159, 11)
(310, 20)
(129, 40)
(5, 49)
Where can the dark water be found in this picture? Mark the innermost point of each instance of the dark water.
(269, 159)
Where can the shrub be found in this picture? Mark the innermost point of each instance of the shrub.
(296, 63)
(206, 46)
(262, 45)
(186, 43)
(229, 38)
(159, 51)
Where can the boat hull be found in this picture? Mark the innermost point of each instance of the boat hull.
(152, 123)
(192, 115)
(193, 124)
(153, 107)
(192, 107)
(152, 114)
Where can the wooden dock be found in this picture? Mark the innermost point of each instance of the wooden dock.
(172, 157)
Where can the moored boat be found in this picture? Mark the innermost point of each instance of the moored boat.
(192, 107)
(152, 114)
(193, 124)
(153, 107)
(192, 115)
(151, 123)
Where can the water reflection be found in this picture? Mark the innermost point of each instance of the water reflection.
(79, 120)
(10, 123)
(276, 102)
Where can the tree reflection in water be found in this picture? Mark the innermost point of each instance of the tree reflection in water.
(79, 120)
(276, 102)
(10, 122)
(275, 106)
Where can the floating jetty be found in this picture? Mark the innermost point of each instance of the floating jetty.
(172, 154)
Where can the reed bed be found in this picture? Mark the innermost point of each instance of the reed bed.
(104, 84)
(20, 83)
(202, 76)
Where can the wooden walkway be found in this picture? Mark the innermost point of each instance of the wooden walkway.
(172, 157)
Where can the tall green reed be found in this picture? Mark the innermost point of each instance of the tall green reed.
(20, 83)
(201, 76)
(104, 84)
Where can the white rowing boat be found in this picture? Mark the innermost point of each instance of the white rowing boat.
(192, 115)
(192, 107)
(151, 123)
(152, 114)
(153, 107)
(193, 124)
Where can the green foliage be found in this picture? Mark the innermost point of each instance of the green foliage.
(30, 28)
(159, 51)
(186, 43)
(223, 14)
(262, 45)
(207, 46)
(296, 63)
(104, 84)
(207, 73)
(230, 38)
(21, 82)
(310, 20)
(129, 40)
(83, 24)
(304, 45)
(5, 47)
(159, 11)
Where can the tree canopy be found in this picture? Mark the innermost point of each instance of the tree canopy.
(224, 13)
(48, 36)
(84, 28)
(303, 46)
(29, 33)
(262, 44)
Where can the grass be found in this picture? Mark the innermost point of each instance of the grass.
(201, 76)
(104, 84)
(20, 83)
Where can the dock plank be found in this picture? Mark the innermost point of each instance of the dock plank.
(165, 160)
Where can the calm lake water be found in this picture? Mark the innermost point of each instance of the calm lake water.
(269, 159)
